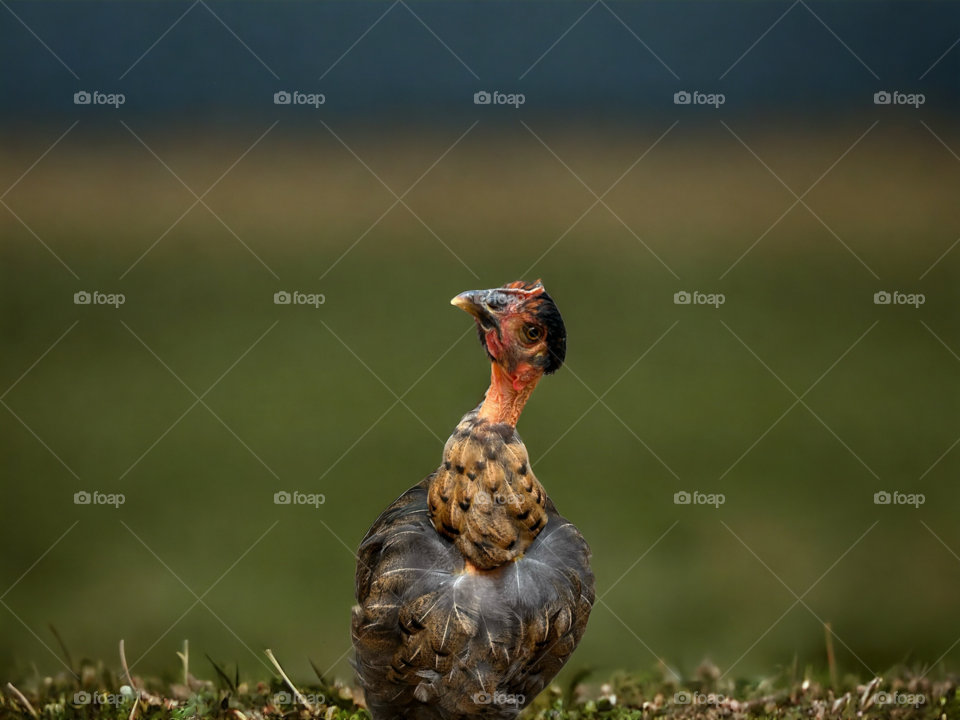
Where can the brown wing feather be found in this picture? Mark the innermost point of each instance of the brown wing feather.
(436, 640)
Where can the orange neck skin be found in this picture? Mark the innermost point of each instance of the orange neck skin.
(508, 393)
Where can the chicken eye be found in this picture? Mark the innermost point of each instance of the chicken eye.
(532, 333)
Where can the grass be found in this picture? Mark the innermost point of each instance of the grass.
(623, 696)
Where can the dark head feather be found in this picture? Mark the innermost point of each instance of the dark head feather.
(547, 313)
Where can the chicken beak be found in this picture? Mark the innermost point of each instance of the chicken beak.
(472, 302)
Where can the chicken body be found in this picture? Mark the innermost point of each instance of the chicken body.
(472, 590)
(436, 636)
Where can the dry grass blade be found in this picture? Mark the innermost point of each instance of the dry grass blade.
(296, 693)
(126, 668)
(185, 658)
(23, 700)
(866, 700)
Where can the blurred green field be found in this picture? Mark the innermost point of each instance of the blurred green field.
(313, 405)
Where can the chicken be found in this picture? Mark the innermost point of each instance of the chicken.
(472, 590)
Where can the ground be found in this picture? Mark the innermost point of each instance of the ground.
(902, 693)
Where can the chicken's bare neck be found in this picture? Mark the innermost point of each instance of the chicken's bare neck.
(508, 393)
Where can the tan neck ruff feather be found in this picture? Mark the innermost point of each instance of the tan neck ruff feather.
(485, 497)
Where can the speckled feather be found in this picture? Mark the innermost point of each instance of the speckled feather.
(436, 638)
(485, 497)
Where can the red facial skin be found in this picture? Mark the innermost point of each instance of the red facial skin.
(516, 341)
(514, 372)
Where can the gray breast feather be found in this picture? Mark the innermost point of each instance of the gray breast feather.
(435, 641)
